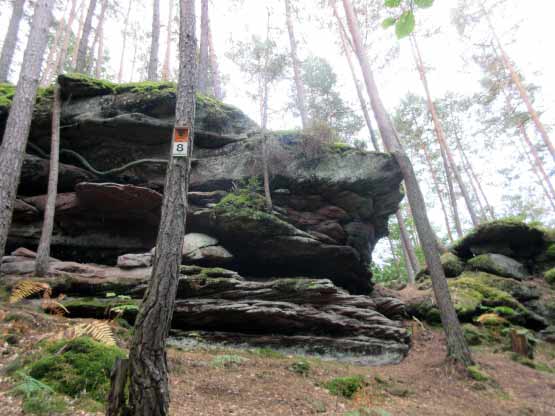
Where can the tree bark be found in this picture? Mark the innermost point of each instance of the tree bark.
(438, 190)
(440, 134)
(77, 44)
(152, 72)
(358, 87)
(216, 77)
(203, 59)
(10, 41)
(407, 244)
(100, 55)
(167, 56)
(118, 381)
(60, 61)
(537, 160)
(125, 28)
(43, 252)
(53, 51)
(149, 390)
(18, 123)
(411, 274)
(457, 348)
(395, 258)
(81, 64)
(299, 86)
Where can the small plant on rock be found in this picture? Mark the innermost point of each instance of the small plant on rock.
(345, 386)
(301, 367)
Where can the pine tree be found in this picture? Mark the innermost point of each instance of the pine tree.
(16, 132)
(10, 42)
(81, 63)
(203, 59)
(152, 69)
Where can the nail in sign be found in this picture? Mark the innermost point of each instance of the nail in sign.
(180, 141)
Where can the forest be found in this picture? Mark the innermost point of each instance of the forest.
(276, 207)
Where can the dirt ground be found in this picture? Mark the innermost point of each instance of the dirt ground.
(262, 383)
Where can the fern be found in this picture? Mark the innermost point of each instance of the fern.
(97, 330)
(28, 288)
(54, 307)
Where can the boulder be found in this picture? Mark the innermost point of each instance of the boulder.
(453, 266)
(514, 239)
(500, 265)
(195, 241)
(209, 256)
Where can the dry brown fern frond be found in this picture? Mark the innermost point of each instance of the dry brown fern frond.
(98, 330)
(54, 307)
(27, 288)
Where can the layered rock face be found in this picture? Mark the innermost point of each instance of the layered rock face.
(331, 204)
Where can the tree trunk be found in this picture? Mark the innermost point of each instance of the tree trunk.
(118, 381)
(149, 389)
(100, 56)
(452, 195)
(411, 274)
(474, 176)
(537, 160)
(60, 61)
(299, 86)
(97, 34)
(216, 77)
(18, 123)
(10, 41)
(521, 89)
(266, 174)
(203, 59)
(54, 50)
(395, 258)
(152, 72)
(457, 347)
(77, 44)
(358, 87)
(167, 56)
(43, 252)
(440, 134)
(81, 65)
(438, 190)
(407, 243)
(125, 28)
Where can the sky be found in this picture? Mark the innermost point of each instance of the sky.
(448, 57)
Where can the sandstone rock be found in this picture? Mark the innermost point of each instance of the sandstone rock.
(195, 241)
(25, 212)
(500, 265)
(209, 256)
(130, 261)
(24, 252)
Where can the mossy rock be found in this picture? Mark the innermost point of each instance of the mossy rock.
(77, 368)
(453, 266)
(509, 237)
(498, 264)
(476, 373)
(492, 319)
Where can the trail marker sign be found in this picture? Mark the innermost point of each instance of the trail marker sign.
(180, 142)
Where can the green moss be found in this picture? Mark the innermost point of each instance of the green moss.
(504, 311)
(345, 386)
(301, 367)
(7, 92)
(145, 87)
(550, 251)
(268, 353)
(549, 276)
(476, 373)
(81, 368)
(340, 147)
(528, 362)
(452, 265)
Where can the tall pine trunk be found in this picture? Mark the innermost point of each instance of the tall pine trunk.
(100, 55)
(299, 86)
(451, 192)
(457, 347)
(80, 29)
(152, 70)
(10, 41)
(214, 67)
(97, 34)
(81, 64)
(410, 254)
(440, 134)
(125, 29)
(60, 60)
(438, 190)
(149, 390)
(16, 132)
(167, 55)
(43, 252)
(203, 54)
(54, 50)
(358, 87)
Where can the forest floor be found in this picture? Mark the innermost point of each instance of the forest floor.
(224, 381)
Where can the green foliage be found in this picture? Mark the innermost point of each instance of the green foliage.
(392, 3)
(301, 367)
(37, 397)
(80, 367)
(268, 353)
(549, 276)
(228, 361)
(528, 362)
(345, 386)
(405, 24)
(245, 195)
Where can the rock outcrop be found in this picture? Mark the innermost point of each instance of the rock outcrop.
(332, 203)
